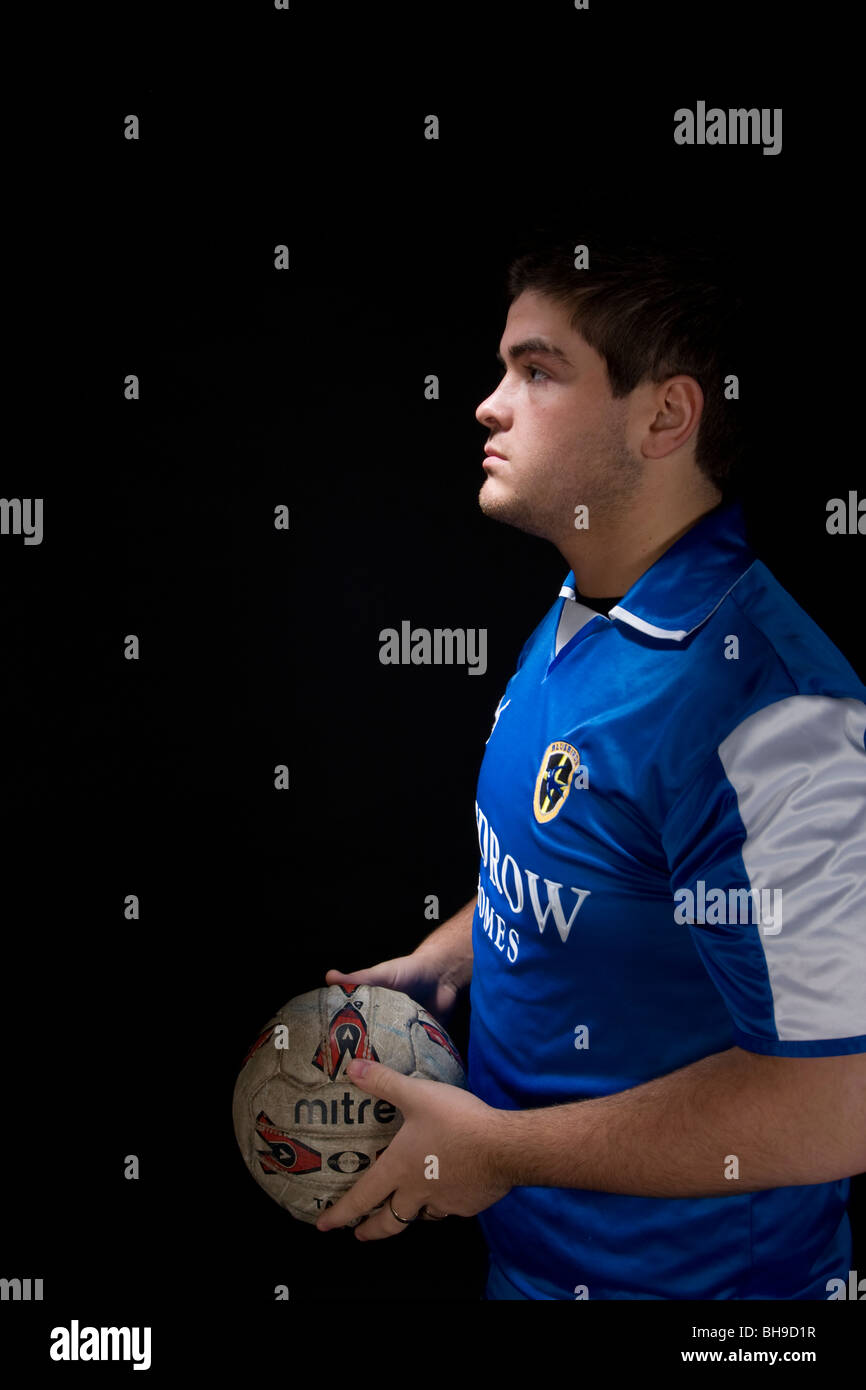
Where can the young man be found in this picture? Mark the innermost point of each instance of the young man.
(667, 948)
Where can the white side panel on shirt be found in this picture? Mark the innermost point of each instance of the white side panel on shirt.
(798, 768)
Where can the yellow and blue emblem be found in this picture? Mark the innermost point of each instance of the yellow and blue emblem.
(553, 783)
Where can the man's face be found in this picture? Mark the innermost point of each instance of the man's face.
(562, 434)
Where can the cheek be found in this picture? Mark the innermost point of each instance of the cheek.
(565, 412)
(559, 425)
(575, 423)
(551, 418)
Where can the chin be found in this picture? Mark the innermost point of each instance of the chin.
(495, 504)
(509, 510)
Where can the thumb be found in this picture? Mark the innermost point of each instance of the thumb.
(382, 1081)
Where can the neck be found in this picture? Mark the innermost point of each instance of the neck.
(611, 555)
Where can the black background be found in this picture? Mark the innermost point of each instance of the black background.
(261, 647)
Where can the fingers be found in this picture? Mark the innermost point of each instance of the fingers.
(370, 1191)
(357, 977)
(396, 1215)
(429, 1213)
(384, 975)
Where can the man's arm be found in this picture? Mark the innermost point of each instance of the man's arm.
(732, 1122)
(452, 945)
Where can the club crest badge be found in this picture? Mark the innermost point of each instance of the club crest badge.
(558, 766)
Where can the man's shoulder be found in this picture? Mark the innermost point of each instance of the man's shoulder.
(779, 635)
(762, 676)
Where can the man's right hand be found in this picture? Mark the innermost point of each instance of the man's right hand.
(418, 975)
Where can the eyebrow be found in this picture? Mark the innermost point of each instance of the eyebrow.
(537, 345)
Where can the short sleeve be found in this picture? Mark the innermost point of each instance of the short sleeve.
(767, 855)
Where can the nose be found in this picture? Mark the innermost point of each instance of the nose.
(490, 412)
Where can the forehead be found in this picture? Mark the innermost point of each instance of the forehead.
(535, 323)
(531, 307)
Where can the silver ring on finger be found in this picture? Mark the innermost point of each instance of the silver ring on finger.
(404, 1220)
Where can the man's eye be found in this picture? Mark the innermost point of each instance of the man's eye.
(532, 368)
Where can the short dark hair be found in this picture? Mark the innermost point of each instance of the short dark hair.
(652, 310)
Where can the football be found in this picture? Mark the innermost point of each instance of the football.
(305, 1132)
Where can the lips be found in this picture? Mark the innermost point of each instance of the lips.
(492, 454)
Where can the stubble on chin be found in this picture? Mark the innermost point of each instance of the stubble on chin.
(512, 509)
(603, 479)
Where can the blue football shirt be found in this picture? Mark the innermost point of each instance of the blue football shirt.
(670, 815)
